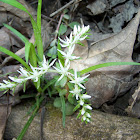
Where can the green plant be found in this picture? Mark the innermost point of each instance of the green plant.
(68, 83)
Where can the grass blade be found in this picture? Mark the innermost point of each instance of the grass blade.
(21, 135)
(2, 49)
(38, 39)
(18, 34)
(39, 15)
(63, 110)
(32, 57)
(15, 4)
(27, 51)
(106, 65)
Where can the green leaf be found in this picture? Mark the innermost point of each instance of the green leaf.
(106, 65)
(52, 52)
(70, 85)
(74, 23)
(63, 110)
(38, 83)
(26, 96)
(27, 51)
(21, 135)
(62, 29)
(63, 81)
(69, 109)
(72, 99)
(32, 56)
(15, 4)
(77, 107)
(53, 43)
(57, 102)
(38, 39)
(18, 34)
(33, 59)
(2, 49)
(49, 84)
(66, 16)
(62, 92)
(39, 15)
(79, 43)
(60, 56)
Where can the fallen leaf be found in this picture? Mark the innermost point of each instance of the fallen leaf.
(105, 83)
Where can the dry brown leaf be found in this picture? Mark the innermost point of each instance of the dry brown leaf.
(105, 83)
(4, 113)
(7, 39)
(21, 19)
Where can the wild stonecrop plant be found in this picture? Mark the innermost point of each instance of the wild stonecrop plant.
(68, 83)
(66, 77)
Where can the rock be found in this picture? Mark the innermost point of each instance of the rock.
(103, 126)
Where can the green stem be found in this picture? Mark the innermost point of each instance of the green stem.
(21, 135)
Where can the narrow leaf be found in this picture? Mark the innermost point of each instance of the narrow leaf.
(106, 65)
(15, 4)
(60, 56)
(18, 34)
(21, 135)
(38, 39)
(32, 56)
(27, 51)
(2, 49)
(63, 110)
(39, 15)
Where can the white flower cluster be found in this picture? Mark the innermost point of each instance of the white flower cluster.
(34, 75)
(77, 35)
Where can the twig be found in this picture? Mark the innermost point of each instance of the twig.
(65, 6)
(46, 17)
(57, 29)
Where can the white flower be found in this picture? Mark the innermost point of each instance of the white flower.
(45, 65)
(17, 80)
(68, 55)
(88, 107)
(77, 35)
(67, 41)
(76, 91)
(84, 118)
(35, 74)
(63, 70)
(23, 72)
(7, 85)
(78, 80)
(83, 111)
(85, 96)
(88, 120)
(82, 30)
(88, 115)
(79, 32)
(81, 102)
